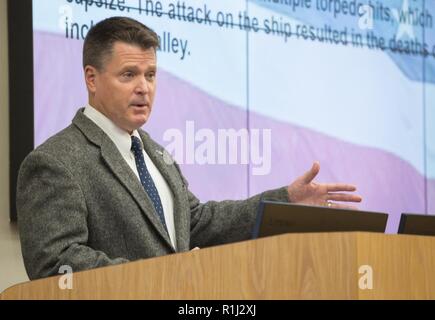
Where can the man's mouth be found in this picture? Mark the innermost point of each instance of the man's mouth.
(139, 105)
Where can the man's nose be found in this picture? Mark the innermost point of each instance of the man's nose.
(142, 87)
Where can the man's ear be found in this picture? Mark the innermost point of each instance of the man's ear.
(91, 78)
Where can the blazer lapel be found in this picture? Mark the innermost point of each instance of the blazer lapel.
(121, 170)
(181, 209)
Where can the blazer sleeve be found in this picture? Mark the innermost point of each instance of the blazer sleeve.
(220, 222)
(52, 215)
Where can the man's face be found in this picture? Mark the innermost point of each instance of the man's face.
(124, 89)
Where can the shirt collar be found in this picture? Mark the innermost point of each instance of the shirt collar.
(120, 138)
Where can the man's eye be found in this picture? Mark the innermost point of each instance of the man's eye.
(128, 75)
(151, 76)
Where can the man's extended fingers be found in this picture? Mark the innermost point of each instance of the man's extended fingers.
(344, 197)
(334, 187)
(312, 173)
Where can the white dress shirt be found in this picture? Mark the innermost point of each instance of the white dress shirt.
(122, 141)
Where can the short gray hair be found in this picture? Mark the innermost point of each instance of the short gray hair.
(101, 38)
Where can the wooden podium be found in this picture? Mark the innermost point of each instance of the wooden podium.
(291, 266)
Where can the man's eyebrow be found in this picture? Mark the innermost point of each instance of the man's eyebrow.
(129, 67)
(152, 67)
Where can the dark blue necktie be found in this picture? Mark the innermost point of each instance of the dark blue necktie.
(145, 178)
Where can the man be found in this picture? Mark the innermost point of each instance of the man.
(100, 193)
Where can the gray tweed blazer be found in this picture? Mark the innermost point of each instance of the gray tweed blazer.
(79, 204)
